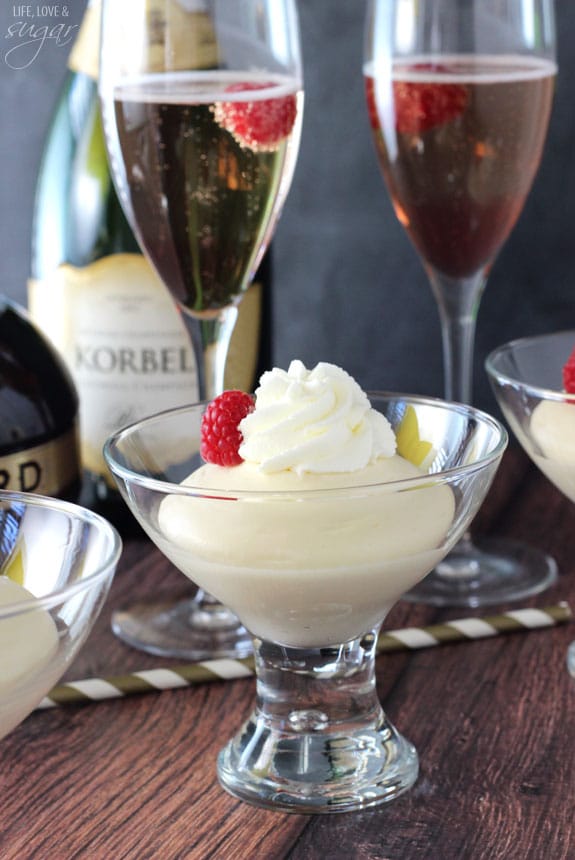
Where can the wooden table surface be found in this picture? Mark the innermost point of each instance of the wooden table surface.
(493, 722)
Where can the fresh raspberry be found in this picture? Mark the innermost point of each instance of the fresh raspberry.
(422, 106)
(259, 124)
(221, 436)
(569, 374)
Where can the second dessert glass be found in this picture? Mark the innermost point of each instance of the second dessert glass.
(312, 574)
(526, 376)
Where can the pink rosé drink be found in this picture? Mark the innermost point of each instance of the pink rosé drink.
(459, 140)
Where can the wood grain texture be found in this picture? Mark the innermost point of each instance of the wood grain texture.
(493, 722)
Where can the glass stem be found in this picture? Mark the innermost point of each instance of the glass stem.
(300, 690)
(210, 342)
(208, 613)
(458, 300)
(318, 739)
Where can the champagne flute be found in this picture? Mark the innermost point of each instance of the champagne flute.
(202, 107)
(459, 95)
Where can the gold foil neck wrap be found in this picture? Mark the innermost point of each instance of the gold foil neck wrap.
(179, 38)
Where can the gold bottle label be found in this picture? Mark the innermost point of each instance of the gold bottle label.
(46, 469)
(123, 341)
(126, 347)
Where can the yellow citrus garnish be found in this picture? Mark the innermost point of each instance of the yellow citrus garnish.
(14, 568)
(410, 446)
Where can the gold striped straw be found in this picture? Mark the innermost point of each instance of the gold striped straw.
(407, 638)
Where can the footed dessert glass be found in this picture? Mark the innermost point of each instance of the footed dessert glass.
(312, 574)
(57, 561)
(526, 377)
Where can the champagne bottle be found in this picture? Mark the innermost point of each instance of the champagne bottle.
(93, 292)
(39, 450)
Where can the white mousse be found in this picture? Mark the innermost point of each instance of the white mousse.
(328, 534)
(553, 432)
(28, 644)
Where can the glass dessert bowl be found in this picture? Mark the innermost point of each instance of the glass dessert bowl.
(312, 563)
(57, 561)
(526, 377)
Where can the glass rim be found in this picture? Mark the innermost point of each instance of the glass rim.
(130, 476)
(541, 391)
(64, 593)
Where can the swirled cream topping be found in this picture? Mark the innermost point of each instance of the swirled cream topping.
(313, 421)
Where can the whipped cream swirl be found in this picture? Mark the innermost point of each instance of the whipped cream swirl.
(316, 420)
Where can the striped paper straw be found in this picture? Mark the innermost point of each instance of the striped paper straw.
(407, 638)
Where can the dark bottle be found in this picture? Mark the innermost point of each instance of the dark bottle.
(39, 449)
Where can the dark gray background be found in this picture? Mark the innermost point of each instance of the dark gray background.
(348, 287)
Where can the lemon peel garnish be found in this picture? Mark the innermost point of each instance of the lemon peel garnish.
(15, 567)
(410, 445)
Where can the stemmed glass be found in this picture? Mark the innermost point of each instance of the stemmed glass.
(202, 107)
(312, 573)
(459, 96)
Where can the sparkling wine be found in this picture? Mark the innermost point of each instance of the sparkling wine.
(207, 165)
(459, 140)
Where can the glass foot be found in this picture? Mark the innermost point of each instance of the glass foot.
(317, 771)
(485, 572)
(193, 630)
(318, 741)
